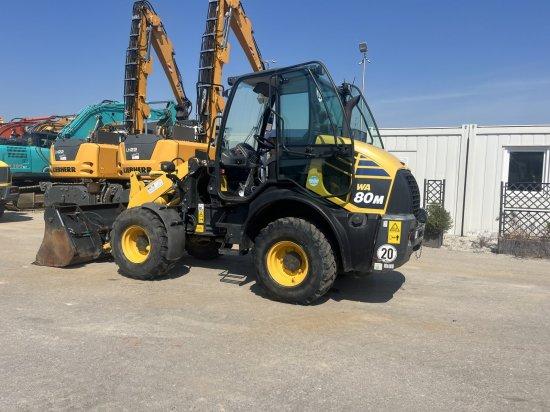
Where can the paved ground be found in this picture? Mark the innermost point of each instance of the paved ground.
(451, 330)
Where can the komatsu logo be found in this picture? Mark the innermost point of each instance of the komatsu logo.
(137, 169)
(63, 169)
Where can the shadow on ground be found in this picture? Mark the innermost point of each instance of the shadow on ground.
(374, 288)
(10, 216)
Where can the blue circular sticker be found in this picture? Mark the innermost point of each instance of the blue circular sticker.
(313, 181)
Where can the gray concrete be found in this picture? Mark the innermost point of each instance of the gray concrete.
(451, 330)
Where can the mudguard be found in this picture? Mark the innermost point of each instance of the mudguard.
(175, 228)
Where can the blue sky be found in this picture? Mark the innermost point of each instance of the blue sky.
(434, 63)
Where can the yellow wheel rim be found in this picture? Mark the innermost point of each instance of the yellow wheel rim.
(135, 244)
(287, 263)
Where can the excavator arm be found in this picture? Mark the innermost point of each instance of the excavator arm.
(215, 50)
(148, 31)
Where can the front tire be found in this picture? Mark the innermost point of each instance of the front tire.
(139, 244)
(294, 261)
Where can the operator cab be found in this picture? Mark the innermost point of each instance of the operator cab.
(284, 125)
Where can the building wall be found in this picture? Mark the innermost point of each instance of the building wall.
(442, 153)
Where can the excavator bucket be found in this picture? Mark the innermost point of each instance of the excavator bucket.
(74, 234)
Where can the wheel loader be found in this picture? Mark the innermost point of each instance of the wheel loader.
(296, 175)
(8, 192)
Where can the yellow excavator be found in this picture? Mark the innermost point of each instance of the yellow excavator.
(144, 153)
(295, 173)
(99, 170)
(98, 160)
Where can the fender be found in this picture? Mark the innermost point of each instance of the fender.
(175, 229)
(272, 195)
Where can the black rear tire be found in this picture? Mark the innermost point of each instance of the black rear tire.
(202, 248)
(155, 264)
(321, 261)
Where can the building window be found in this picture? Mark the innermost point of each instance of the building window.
(526, 169)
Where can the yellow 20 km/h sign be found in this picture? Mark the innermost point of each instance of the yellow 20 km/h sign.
(394, 232)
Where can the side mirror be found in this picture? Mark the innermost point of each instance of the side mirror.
(168, 167)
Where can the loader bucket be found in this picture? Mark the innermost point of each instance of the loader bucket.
(71, 236)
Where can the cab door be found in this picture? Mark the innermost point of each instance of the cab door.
(311, 124)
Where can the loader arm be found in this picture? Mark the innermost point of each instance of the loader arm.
(147, 30)
(215, 50)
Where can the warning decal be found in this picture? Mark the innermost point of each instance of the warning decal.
(394, 232)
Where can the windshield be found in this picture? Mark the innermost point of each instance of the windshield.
(362, 124)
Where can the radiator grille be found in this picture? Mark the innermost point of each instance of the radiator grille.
(414, 192)
(17, 152)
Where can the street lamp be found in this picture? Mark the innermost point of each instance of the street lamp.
(364, 49)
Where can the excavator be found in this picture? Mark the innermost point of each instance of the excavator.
(28, 153)
(98, 166)
(16, 127)
(86, 150)
(105, 166)
(295, 173)
(144, 153)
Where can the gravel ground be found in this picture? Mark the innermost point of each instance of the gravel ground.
(452, 330)
(482, 243)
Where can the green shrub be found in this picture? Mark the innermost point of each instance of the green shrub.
(439, 220)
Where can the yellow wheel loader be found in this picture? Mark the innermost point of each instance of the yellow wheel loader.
(8, 192)
(297, 175)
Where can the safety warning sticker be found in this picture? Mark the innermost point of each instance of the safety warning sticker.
(394, 232)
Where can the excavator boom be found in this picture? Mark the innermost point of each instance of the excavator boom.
(148, 31)
(215, 50)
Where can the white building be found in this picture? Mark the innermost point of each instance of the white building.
(473, 160)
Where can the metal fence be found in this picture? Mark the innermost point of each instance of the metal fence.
(524, 210)
(434, 192)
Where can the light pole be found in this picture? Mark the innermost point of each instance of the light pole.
(364, 49)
